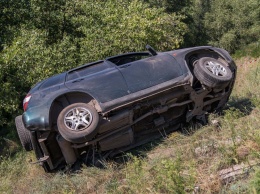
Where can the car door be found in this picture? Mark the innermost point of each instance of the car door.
(150, 71)
(101, 80)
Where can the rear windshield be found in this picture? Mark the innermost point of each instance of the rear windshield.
(87, 70)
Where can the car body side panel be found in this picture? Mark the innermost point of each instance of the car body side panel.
(151, 71)
(37, 115)
(133, 97)
(105, 86)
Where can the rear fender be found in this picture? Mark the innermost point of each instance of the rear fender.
(64, 100)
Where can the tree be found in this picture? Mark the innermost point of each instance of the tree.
(13, 13)
(232, 24)
(171, 5)
(195, 14)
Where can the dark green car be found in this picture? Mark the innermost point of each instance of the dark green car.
(112, 105)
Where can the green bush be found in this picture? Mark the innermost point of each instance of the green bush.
(232, 24)
(255, 182)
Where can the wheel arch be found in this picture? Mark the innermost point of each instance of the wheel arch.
(218, 53)
(195, 55)
(65, 99)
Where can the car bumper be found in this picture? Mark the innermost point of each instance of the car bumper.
(36, 119)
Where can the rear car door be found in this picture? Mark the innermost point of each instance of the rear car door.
(150, 71)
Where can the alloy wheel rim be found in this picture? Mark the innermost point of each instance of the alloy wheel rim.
(216, 68)
(78, 119)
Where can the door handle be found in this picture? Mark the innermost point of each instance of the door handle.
(78, 80)
(125, 66)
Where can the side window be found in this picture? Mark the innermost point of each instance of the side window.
(124, 59)
(56, 79)
(87, 70)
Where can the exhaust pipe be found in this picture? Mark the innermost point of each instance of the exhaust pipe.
(67, 150)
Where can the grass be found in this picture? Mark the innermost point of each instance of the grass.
(252, 50)
(187, 161)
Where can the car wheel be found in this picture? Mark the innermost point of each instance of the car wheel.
(23, 133)
(78, 122)
(212, 72)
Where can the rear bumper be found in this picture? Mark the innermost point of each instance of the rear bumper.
(35, 145)
(36, 119)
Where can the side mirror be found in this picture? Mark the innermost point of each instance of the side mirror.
(151, 50)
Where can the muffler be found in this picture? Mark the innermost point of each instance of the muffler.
(66, 149)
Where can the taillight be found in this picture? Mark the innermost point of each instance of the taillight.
(26, 101)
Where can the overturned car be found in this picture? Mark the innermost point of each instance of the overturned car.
(113, 105)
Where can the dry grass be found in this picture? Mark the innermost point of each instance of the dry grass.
(186, 161)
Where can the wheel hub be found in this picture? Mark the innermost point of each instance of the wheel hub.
(216, 68)
(78, 119)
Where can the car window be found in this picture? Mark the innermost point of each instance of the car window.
(56, 79)
(124, 59)
(87, 70)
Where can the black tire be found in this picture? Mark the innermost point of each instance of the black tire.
(210, 77)
(23, 133)
(86, 127)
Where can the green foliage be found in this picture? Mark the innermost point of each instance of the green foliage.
(13, 13)
(171, 177)
(57, 18)
(197, 32)
(255, 82)
(255, 182)
(252, 50)
(168, 175)
(232, 24)
(25, 63)
(11, 167)
(128, 27)
(171, 5)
